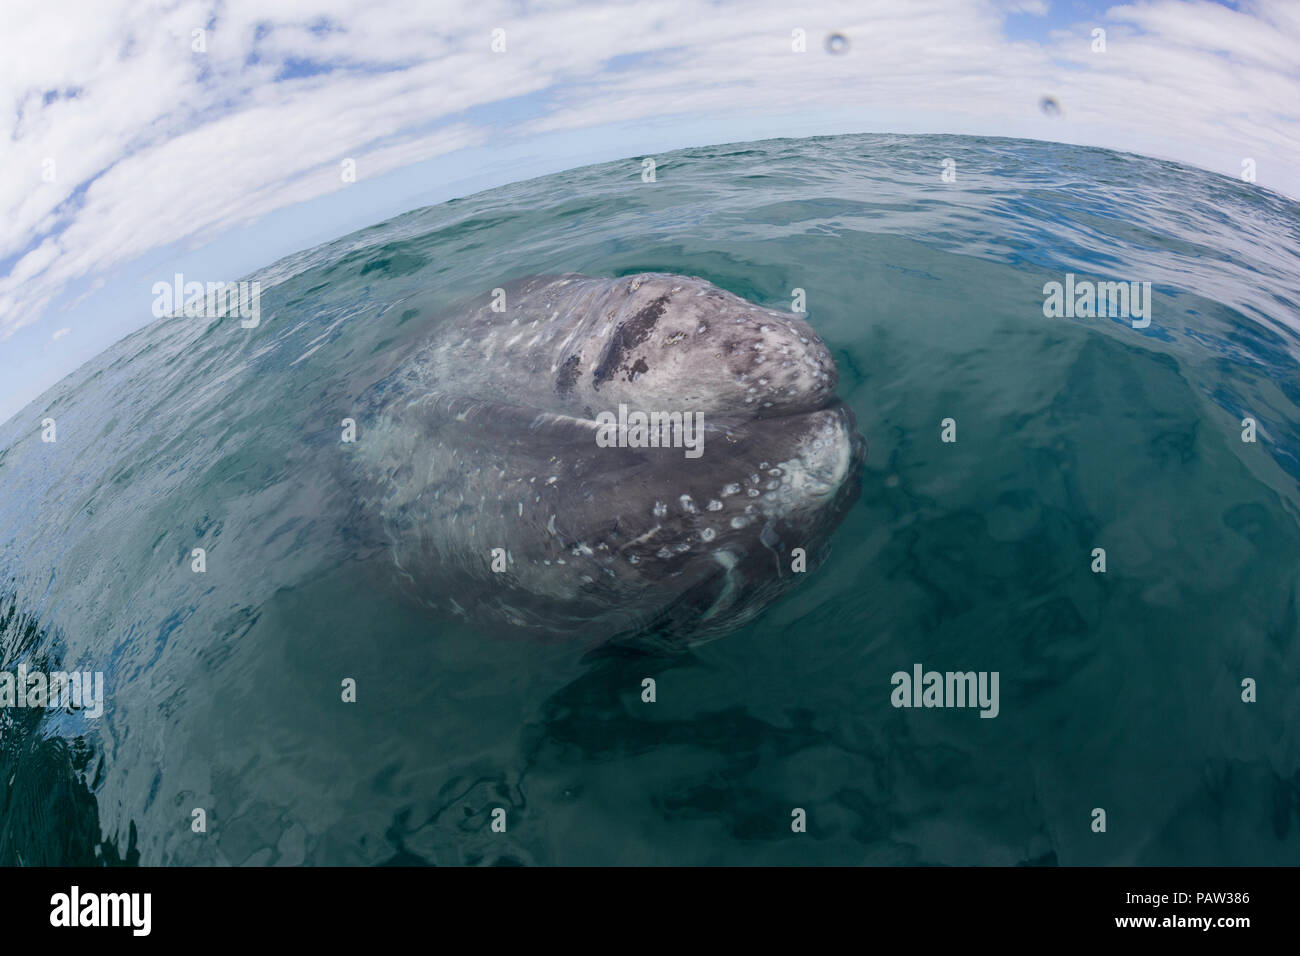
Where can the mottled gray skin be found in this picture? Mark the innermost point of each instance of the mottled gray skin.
(485, 437)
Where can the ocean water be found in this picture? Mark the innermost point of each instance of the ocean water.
(1120, 691)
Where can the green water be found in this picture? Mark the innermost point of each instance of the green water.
(1119, 690)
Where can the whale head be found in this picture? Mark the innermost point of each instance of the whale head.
(602, 456)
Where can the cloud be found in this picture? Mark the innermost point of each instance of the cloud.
(58, 334)
(124, 138)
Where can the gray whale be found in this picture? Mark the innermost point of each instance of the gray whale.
(483, 467)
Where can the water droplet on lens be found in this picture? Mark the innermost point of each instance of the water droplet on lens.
(1049, 106)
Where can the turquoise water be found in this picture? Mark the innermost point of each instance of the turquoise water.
(1119, 690)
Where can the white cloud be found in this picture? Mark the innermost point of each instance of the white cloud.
(153, 143)
(1037, 8)
(59, 333)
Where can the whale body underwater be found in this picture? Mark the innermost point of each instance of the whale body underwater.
(507, 473)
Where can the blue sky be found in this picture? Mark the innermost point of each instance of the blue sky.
(140, 147)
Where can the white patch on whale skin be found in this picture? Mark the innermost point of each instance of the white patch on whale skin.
(729, 584)
(643, 538)
(817, 470)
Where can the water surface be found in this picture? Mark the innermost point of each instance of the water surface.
(1119, 690)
